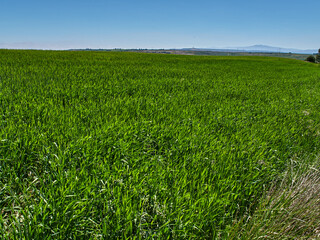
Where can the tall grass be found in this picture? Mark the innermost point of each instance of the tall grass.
(125, 145)
(289, 210)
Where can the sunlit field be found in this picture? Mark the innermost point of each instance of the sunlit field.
(111, 145)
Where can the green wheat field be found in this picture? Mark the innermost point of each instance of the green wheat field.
(118, 145)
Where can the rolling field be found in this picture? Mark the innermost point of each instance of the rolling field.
(112, 145)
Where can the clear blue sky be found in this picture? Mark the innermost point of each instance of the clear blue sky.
(63, 24)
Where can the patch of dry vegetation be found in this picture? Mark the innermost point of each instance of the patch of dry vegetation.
(290, 210)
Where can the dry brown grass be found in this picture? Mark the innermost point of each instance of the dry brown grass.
(290, 210)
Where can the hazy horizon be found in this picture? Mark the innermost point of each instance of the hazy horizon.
(34, 46)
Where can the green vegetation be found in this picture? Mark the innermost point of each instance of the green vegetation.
(311, 59)
(318, 56)
(289, 210)
(107, 145)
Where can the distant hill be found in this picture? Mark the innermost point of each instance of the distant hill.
(257, 48)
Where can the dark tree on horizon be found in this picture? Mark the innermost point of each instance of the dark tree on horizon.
(318, 56)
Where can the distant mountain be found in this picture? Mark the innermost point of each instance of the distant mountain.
(256, 48)
(265, 48)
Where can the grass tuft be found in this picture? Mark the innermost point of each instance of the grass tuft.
(289, 210)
